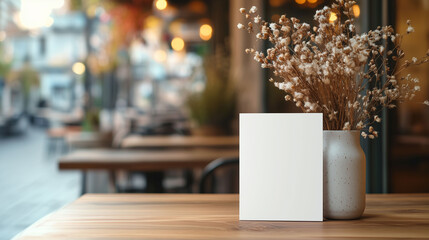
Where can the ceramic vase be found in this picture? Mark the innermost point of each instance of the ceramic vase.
(343, 175)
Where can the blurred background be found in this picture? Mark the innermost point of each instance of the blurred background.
(89, 73)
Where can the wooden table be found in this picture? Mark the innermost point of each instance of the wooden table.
(196, 216)
(137, 141)
(78, 140)
(214, 143)
(142, 160)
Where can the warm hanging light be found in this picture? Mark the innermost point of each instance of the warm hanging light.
(312, 1)
(300, 1)
(206, 32)
(356, 10)
(34, 14)
(161, 4)
(78, 68)
(177, 44)
(332, 17)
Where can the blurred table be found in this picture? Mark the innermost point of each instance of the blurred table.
(138, 141)
(57, 136)
(207, 216)
(142, 160)
(88, 140)
(61, 132)
(67, 118)
(149, 161)
(178, 142)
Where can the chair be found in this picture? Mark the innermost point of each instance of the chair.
(220, 176)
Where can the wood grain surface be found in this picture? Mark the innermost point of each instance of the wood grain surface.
(196, 216)
(143, 160)
(137, 141)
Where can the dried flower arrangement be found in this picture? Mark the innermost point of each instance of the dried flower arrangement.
(329, 68)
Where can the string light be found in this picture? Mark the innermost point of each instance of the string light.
(78, 68)
(332, 17)
(206, 32)
(161, 4)
(300, 1)
(356, 10)
(177, 44)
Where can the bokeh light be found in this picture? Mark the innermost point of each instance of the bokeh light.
(177, 44)
(78, 68)
(332, 17)
(35, 14)
(161, 4)
(356, 10)
(206, 32)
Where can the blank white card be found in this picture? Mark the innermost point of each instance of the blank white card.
(281, 167)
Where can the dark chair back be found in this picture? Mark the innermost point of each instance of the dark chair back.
(220, 176)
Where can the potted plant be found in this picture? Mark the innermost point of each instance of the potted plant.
(213, 108)
(347, 76)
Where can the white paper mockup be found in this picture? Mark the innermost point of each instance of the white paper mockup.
(281, 167)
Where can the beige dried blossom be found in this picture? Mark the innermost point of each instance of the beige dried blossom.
(329, 68)
(253, 9)
(410, 29)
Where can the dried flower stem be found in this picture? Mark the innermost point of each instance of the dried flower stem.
(329, 68)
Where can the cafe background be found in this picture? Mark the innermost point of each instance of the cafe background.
(163, 67)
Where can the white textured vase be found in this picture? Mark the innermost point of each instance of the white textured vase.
(343, 175)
